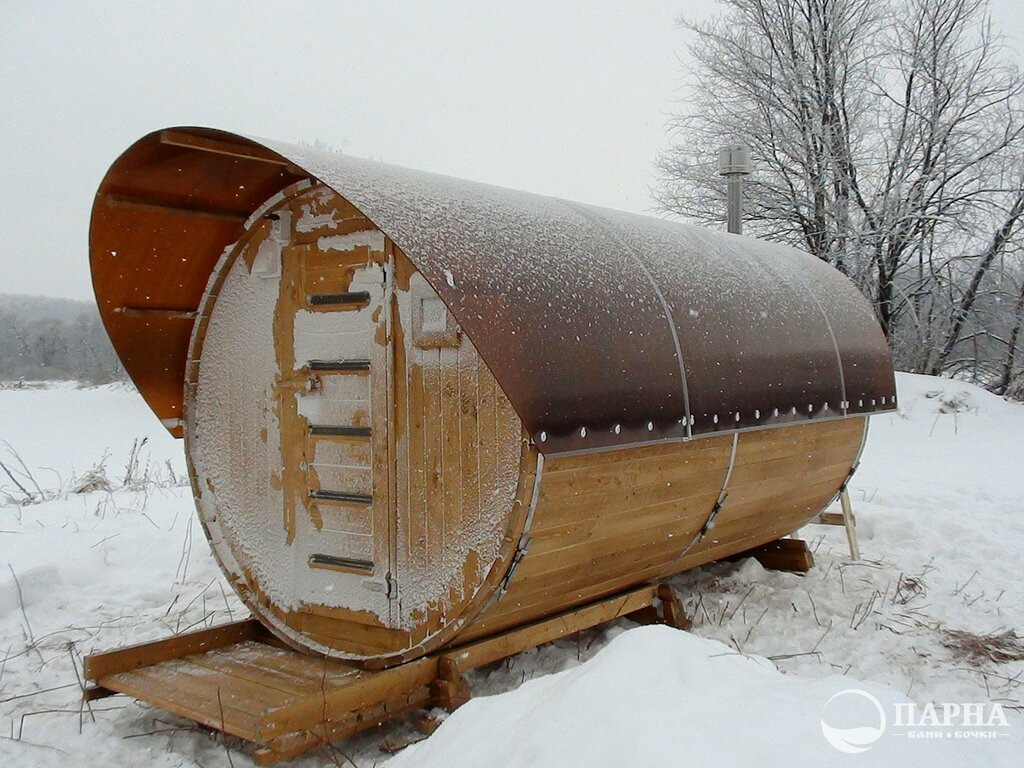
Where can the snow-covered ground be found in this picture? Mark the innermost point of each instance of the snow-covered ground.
(939, 498)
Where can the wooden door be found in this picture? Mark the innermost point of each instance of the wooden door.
(334, 325)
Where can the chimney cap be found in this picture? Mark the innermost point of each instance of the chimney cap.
(734, 159)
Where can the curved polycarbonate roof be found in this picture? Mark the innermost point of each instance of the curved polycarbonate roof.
(603, 328)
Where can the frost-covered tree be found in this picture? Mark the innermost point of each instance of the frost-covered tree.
(887, 138)
(54, 339)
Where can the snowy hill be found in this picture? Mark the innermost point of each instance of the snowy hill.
(939, 497)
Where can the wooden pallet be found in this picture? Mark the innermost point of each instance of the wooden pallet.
(238, 679)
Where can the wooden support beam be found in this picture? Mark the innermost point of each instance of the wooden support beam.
(646, 616)
(367, 690)
(781, 555)
(94, 692)
(672, 612)
(146, 654)
(164, 206)
(829, 518)
(154, 313)
(450, 690)
(228, 148)
(531, 635)
(332, 729)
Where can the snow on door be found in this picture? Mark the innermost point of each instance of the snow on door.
(334, 417)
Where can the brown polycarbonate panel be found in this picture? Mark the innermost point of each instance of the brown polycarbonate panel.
(587, 317)
(755, 352)
(565, 318)
(161, 219)
(867, 365)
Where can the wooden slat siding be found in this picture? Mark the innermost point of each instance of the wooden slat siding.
(347, 635)
(487, 436)
(416, 512)
(145, 654)
(332, 272)
(469, 410)
(308, 270)
(451, 442)
(433, 465)
(339, 624)
(516, 615)
(392, 329)
(555, 546)
(383, 507)
(659, 561)
(782, 478)
(292, 443)
(682, 464)
(648, 491)
(402, 431)
(451, 487)
(590, 558)
(320, 200)
(607, 560)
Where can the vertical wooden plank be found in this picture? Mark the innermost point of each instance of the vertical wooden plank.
(433, 463)
(405, 433)
(380, 423)
(292, 425)
(488, 435)
(417, 474)
(451, 449)
(395, 371)
(469, 405)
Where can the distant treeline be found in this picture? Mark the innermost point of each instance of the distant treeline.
(54, 339)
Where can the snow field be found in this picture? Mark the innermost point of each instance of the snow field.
(939, 497)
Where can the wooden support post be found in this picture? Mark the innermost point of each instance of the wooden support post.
(450, 690)
(781, 555)
(850, 522)
(671, 609)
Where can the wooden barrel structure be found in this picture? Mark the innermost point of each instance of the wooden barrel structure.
(419, 410)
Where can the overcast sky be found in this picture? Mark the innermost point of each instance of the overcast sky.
(563, 98)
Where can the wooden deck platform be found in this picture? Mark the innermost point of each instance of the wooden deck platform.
(238, 679)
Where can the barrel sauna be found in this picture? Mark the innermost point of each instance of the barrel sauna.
(419, 410)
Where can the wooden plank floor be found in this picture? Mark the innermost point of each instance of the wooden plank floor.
(238, 680)
(236, 689)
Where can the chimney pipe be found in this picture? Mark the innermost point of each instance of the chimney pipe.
(734, 164)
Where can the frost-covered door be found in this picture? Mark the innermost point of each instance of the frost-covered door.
(334, 417)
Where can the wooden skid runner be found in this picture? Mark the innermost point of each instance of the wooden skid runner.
(239, 680)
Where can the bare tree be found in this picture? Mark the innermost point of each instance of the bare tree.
(887, 139)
